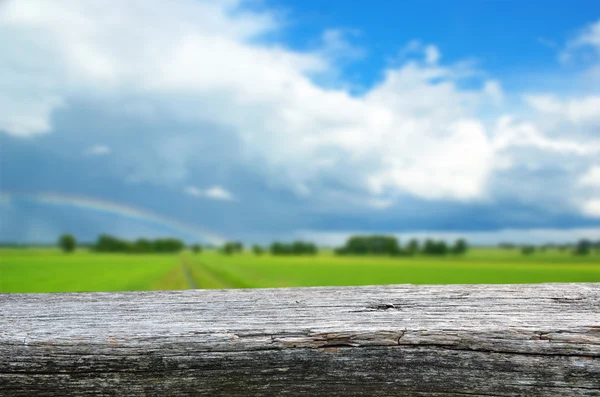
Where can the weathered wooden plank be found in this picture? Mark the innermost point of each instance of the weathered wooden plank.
(457, 340)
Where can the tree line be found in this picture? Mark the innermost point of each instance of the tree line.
(276, 248)
(582, 247)
(355, 245)
(358, 245)
(295, 248)
(389, 245)
(107, 243)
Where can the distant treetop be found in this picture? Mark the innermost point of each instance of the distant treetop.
(67, 243)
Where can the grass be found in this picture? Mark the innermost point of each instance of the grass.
(480, 266)
(44, 270)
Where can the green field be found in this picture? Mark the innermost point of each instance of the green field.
(28, 270)
(45, 270)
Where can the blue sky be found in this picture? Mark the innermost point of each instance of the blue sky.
(508, 39)
(258, 120)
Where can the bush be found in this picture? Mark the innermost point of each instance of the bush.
(412, 248)
(67, 243)
(232, 247)
(389, 245)
(528, 250)
(563, 247)
(460, 247)
(441, 248)
(431, 247)
(258, 250)
(167, 245)
(370, 245)
(107, 243)
(340, 251)
(583, 247)
(142, 246)
(196, 248)
(295, 248)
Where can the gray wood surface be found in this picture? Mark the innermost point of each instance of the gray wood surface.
(454, 340)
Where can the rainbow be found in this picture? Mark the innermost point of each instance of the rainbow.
(122, 210)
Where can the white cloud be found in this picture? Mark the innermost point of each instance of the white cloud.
(213, 192)
(335, 45)
(589, 183)
(432, 54)
(583, 47)
(440, 169)
(582, 110)
(409, 133)
(419, 131)
(28, 114)
(98, 150)
(538, 170)
(591, 208)
(56, 48)
(494, 90)
(591, 178)
(218, 193)
(590, 36)
(194, 191)
(513, 133)
(413, 46)
(380, 204)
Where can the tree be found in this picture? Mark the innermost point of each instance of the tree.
(428, 247)
(528, 250)
(167, 245)
(341, 251)
(303, 248)
(441, 248)
(370, 245)
(295, 248)
(412, 248)
(460, 247)
(228, 249)
(232, 247)
(432, 247)
(239, 247)
(258, 250)
(106, 243)
(142, 246)
(196, 248)
(67, 243)
(583, 247)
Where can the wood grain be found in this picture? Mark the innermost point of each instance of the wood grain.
(454, 340)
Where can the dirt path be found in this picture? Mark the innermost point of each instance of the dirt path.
(201, 277)
(188, 274)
